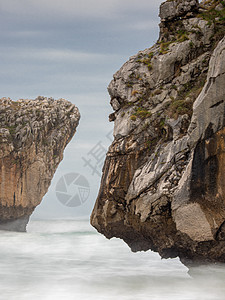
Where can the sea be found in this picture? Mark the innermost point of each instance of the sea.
(68, 259)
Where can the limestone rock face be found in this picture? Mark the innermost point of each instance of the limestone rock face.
(173, 9)
(33, 135)
(163, 185)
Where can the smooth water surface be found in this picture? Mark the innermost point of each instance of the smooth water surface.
(70, 260)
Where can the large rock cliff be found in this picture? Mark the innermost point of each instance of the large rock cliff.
(33, 135)
(163, 184)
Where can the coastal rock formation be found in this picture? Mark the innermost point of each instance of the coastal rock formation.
(163, 185)
(33, 135)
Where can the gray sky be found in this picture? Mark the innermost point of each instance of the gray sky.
(71, 49)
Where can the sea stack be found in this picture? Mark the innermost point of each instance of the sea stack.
(33, 136)
(163, 183)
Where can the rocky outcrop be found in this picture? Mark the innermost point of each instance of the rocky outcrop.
(170, 10)
(163, 186)
(33, 135)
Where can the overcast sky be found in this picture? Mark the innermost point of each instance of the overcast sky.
(71, 49)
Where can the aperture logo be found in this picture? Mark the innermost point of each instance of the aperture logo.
(72, 189)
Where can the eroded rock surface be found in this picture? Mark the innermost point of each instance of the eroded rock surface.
(33, 135)
(163, 185)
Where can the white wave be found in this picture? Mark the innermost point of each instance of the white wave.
(70, 260)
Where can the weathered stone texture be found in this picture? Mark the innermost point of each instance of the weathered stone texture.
(163, 186)
(173, 9)
(33, 135)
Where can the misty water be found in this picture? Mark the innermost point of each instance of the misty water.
(70, 260)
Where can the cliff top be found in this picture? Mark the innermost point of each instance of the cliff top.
(24, 121)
